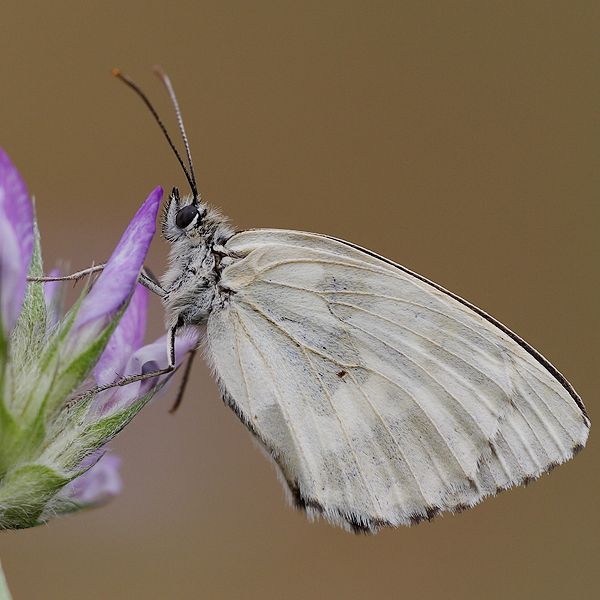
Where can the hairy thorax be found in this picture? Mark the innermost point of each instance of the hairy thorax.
(191, 281)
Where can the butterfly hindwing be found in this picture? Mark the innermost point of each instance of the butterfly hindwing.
(382, 398)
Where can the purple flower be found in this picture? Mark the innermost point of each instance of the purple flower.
(122, 271)
(16, 242)
(124, 355)
(117, 281)
(152, 357)
(126, 339)
(54, 425)
(97, 485)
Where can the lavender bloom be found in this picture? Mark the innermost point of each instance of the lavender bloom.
(101, 483)
(152, 357)
(51, 436)
(16, 243)
(126, 339)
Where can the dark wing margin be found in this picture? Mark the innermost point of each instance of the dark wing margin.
(530, 349)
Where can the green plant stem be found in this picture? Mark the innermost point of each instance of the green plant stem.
(4, 593)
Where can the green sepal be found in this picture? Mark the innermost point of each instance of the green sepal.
(58, 336)
(62, 503)
(27, 336)
(30, 330)
(50, 383)
(99, 432)
(24, 494)
(69, 378)
(56, 379)
(31, 384)
(18, 442)
(3, 363)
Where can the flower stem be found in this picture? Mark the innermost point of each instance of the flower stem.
(4, 593)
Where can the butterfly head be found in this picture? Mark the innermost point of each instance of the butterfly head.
(196, 232)
(191, 220)
(182, 216)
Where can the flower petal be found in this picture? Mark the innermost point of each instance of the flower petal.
(16, 241)
(51, 288)
(151, 357)
(118, 278)
(99, 484)
(54, 297)
(125, 340)
(97, 314)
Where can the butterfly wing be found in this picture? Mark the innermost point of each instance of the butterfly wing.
(383, 398)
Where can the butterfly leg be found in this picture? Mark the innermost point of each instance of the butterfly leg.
(150, 374)
(133, 378)
(73, 277)
(148, 280)
(184, 381)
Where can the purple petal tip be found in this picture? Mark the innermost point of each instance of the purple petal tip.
(121, 273)
(16, 241)
(125, 340)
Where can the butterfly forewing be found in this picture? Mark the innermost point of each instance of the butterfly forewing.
(383, 399)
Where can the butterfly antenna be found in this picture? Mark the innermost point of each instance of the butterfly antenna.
(140, 93)
(167, 82)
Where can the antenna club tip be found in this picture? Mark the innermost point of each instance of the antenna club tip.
(116, 72)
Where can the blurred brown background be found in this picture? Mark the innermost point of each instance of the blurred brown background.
(460, 139)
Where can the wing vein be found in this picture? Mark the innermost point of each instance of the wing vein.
(293, 339)
(418, 404)
(396, 384)
(391, 434)
(547, 405)
(347, 262)
(242, 369)
(343, 428)
(396, 323)
(542, 420)
(279, 393)
(434, 379)
(432, 342)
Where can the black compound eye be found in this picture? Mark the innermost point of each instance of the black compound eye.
(185, 216)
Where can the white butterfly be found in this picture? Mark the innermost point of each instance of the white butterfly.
(382, 398)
